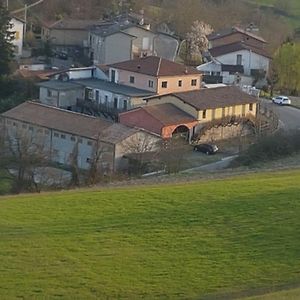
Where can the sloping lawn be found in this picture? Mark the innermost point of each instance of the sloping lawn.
(166, 242)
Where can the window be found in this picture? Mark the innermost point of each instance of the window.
(239, 59)
(73, 139)
(88, 160)
(49, 93)
(251, 106)
(115, 102)
(125, 104)
(113, 76)
(40, 131)
(80, 141)
(204, 114)
(30, 128)
(164, 84)
(15, 124)
(63, 136)
(24, 126)
(89, 94)
(47, 132)
(194, 82)
(179, 83)
(90, 143)
(106, 100)
(150, 83)
(97, 96)
(131, 79)
(56, 134)
(8, 122)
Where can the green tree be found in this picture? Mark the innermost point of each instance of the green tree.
(286, 64)
(6, 38)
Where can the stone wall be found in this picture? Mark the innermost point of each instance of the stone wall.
(217, 133)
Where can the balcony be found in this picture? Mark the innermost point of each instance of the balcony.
(101, 110)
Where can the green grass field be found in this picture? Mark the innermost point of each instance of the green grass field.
(166, 242)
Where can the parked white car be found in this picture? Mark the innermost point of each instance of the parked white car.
(281, 100)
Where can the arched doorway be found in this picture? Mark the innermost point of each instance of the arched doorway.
(181, 131)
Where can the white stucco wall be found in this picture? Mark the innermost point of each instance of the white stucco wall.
(110, 49)
(18, 27)
(250, 60)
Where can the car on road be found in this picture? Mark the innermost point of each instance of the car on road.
(281, 100)
(206, 148)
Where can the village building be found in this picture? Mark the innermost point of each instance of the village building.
(236, 56)
(156, 75)
(114, 42)
(67, 34)
(62, 133)
(193, 110)
(121, 87)
(17, 26)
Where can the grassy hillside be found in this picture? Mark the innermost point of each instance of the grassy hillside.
(290, 7)
(168, 242)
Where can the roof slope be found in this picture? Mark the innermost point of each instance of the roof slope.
(155, 66)
(168, 114)
(229, 48)
(74, 24)
(216, 97)
(69, 122)
(229, 31)
(113, 87)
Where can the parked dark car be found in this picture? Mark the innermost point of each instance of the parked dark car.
(61, 55)
(206, 148)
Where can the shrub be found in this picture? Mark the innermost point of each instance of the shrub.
(269, 148)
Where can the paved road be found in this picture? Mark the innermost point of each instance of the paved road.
(289, 116)
(218, 165)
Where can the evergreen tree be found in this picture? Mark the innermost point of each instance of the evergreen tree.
(6, 38)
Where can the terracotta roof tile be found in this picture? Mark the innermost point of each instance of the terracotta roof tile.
(59, 119)
(216, 97)
(232, 30)
(168, 114)
(229, 48)
(155, 66)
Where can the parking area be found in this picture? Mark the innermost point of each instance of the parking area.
(194, 159)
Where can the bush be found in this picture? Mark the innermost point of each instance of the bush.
(15, 91)
(270, 148)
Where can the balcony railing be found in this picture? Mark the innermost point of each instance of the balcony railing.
(91, 107)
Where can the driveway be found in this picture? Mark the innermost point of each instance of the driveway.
(289, 116)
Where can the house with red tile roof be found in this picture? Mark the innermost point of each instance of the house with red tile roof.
(188, 113)
(156, 75)
(237, 48)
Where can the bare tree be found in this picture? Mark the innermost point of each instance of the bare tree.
(197, 38)
(21, 154)
(96, 172)
(172, 154)
(143, 149)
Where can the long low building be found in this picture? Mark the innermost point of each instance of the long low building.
(197, 108)
(61, 132)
